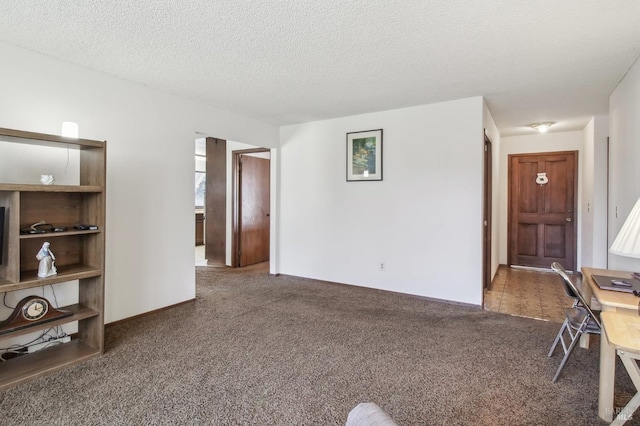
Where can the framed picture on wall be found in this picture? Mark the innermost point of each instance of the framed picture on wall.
(364, 155)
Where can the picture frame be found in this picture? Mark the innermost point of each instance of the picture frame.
(364, 156)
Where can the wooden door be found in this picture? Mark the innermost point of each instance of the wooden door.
(542, 205)
(253, 210)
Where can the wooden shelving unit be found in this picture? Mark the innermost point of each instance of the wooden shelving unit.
(79, 253)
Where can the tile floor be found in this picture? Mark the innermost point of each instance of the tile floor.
(527, 293)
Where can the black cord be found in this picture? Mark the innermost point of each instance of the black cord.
(53, 291)
(25, 345)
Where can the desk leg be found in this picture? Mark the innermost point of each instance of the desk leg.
(634, 372)
(607, 379)
(585, 340)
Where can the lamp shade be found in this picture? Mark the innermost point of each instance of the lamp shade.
(627, 243)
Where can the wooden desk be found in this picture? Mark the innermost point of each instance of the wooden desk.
(622, 331)
(607, 301)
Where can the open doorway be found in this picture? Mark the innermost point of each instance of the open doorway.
(200, 181)
(210, 201)
(232, 192)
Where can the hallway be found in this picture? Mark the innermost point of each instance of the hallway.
(527, 293)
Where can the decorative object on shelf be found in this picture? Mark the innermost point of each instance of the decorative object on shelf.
(47, 179)
(84, 227)
(542, 179)
(364, 155)
(47, 266)
(30, 311)
(42, 227)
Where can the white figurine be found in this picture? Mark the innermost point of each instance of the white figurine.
(47, 266)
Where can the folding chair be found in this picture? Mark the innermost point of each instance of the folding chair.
(579, 319)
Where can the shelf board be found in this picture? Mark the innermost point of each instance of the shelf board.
(21, 136)
(80, 313)
(32, 366)
(49, 235)
(25, 187)
(65, 273)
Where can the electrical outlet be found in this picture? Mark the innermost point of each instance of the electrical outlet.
(382, 266)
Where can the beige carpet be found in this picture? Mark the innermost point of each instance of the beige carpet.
(263, 350)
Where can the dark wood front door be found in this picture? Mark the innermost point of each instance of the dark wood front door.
(253, 210)
(542, 209)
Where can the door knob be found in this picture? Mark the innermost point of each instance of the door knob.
(568, 219)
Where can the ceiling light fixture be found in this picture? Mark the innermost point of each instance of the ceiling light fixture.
(542, 127)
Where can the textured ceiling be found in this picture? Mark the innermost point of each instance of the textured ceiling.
(291, 61)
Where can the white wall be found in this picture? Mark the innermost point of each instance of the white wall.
(424, 220)
(593, 230)
(541, 142)
(150, 134)
(624, 154)
(23, 163)
(600, 191)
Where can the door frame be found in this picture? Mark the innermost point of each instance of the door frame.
(575, 153)
(235, 201)
(487, 212)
